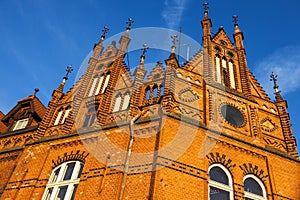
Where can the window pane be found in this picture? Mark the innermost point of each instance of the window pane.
(126, 101)
(92, 119)
(74, 192)
(69, 172)
(217, 174)
(62, 192)
(55, 175)
(155, 92)
(218, 194)
(250, 185)
(147, 93)
(49, 192)
(86, 121)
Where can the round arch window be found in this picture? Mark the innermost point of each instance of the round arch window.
(232, 115)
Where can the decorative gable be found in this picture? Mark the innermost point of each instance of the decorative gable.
(222, 39)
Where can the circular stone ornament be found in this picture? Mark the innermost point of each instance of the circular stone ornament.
(232, 115)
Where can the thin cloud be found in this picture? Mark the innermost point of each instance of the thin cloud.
(172, 12)
(285, 63)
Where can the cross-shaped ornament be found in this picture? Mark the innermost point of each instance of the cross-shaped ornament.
(205, 6)
(104, 31)
(68, 71)
(235, 20)
(273, 78)
(129, 23)
(145, 48)
(174, 40)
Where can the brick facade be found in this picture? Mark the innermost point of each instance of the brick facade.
(179, 122)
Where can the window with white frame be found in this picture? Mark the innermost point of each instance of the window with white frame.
(95, 80)
(220, 183)
(106, 82)
(254, 188)
(117, 103)
(126, 101)
(60, 112)
(22, 123)
(67, 112)
(63, 181)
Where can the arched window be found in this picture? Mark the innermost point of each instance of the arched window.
(99, 84)
(231, 74)
(63, 181)
(162, 90)
(254, 188)
(220, 183)
(90, 117)
(117, 103)
(67, 112)
(105, 83)
(93, 86)
(218, 69)
(155, 91)
(60, 112)
(148, 93)
(126, 101)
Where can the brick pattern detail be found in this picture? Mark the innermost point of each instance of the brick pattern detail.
(250, 169)
(217, 158)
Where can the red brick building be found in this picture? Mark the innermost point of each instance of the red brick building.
(202, 130)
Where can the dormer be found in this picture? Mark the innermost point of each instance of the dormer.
(27, 113)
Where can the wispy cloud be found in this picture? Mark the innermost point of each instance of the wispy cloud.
(285, 63)
(172, 12)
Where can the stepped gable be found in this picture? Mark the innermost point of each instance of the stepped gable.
(195, 64)
(256, 89)
(156, 73)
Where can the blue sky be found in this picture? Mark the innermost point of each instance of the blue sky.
(40, 38)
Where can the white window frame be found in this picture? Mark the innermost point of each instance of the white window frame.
(228, 188)
(255, 196)
(59, 182)
(22, 123)
(105, 83)
(118, 101)
(231, 74)
(99, 85)
(218, 69)
(67, 112)
(126, 100)
(93, 86)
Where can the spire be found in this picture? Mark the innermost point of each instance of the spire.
(206, 22)
(124, 40)
(236, 24)
(238, 34)
(59, 91)
(278, 96)
(98, 48)
(205, 6)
